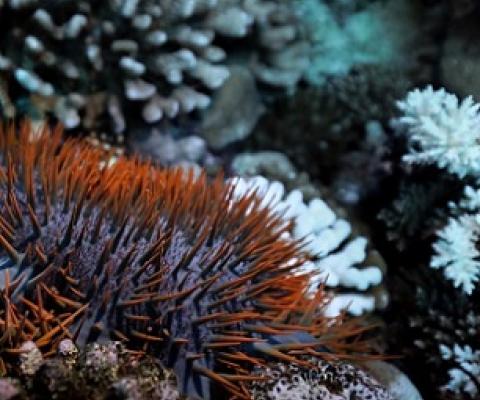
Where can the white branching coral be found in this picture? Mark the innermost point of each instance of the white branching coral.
(470, 200)
(465, 377)
(337, 259)
(163, 58)
(441, 130)
(456, 251)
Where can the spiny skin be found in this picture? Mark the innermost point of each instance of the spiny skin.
(165, 262)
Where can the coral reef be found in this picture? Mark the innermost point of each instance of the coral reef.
(338, 261)
(443, 131)
(208, 282)
(438, 295)
(275, 166)
(161, 58)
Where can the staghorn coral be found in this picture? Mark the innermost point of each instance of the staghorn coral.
(161, 260)
(161, 58)
(456, 252)
(441, 130)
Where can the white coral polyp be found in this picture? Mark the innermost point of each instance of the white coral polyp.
(457, 253)
(442, 130)
(335, 257)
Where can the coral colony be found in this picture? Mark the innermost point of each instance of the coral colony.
(239, 199)
(167, 263)
(164, 58)
(324, 233)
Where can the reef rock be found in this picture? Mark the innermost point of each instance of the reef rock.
(235, 110)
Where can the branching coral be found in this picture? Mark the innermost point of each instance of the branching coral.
(456, 252)
(465, 377)
(445, 333)
(441, 130)
(163, 58)
(161, 260)
(456, 249)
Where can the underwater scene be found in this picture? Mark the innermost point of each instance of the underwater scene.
(240, 199)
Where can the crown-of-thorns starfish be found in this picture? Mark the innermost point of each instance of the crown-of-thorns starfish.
(169, 263)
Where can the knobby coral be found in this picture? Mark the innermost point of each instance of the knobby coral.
(336, 259)
(163, 58)
(164, 261)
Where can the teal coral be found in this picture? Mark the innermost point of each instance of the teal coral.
(380, 33)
